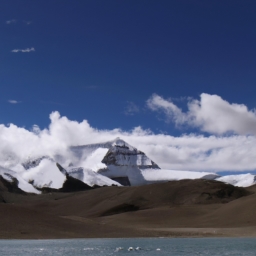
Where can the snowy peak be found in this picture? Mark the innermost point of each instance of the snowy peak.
(119, 143)
(116, 152)
(123, 154)
(84, 151)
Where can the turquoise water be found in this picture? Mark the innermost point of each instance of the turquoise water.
(148, 246)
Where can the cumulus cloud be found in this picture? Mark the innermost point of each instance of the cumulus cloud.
(172, 112)
(211, 114)
(186, 152)
(32, 49)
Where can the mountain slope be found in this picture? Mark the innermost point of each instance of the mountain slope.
(15, 179)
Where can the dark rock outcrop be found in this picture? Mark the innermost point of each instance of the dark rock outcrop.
(72, 185)
(10, 186)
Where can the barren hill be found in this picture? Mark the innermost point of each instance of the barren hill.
(176, 208)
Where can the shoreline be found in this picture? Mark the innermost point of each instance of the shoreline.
(155, 233)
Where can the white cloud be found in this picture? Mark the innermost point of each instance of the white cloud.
(187, 152)
(215, 115)
(13, 101)
(11, 21)
(32, 49)
(172, 112)
(211, 114)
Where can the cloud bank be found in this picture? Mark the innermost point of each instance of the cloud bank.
(186, 152)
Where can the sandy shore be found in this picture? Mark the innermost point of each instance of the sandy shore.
(174, 209)
(208, 232)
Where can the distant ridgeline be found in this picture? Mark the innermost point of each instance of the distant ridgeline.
(113, 163)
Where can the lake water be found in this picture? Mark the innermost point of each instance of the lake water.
(148, 246)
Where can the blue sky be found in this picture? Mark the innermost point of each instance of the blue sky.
(93, 58)
(108, 61)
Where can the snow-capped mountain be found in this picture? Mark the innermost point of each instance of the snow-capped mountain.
(103, 164)
(45, 172)
(127, 165)
(116, 152)
(115, 159)
(122, 154)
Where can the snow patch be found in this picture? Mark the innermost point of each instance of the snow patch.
(162, 175)
(45, 174)
(90, 177)
(22, 184)
(240, 180)
(93, 161)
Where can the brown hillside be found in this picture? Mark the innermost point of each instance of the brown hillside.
(177, 208)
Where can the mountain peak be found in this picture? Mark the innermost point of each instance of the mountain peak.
(122, 144)
(123, 154)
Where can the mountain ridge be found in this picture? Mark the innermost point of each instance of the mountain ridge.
(114, 162)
